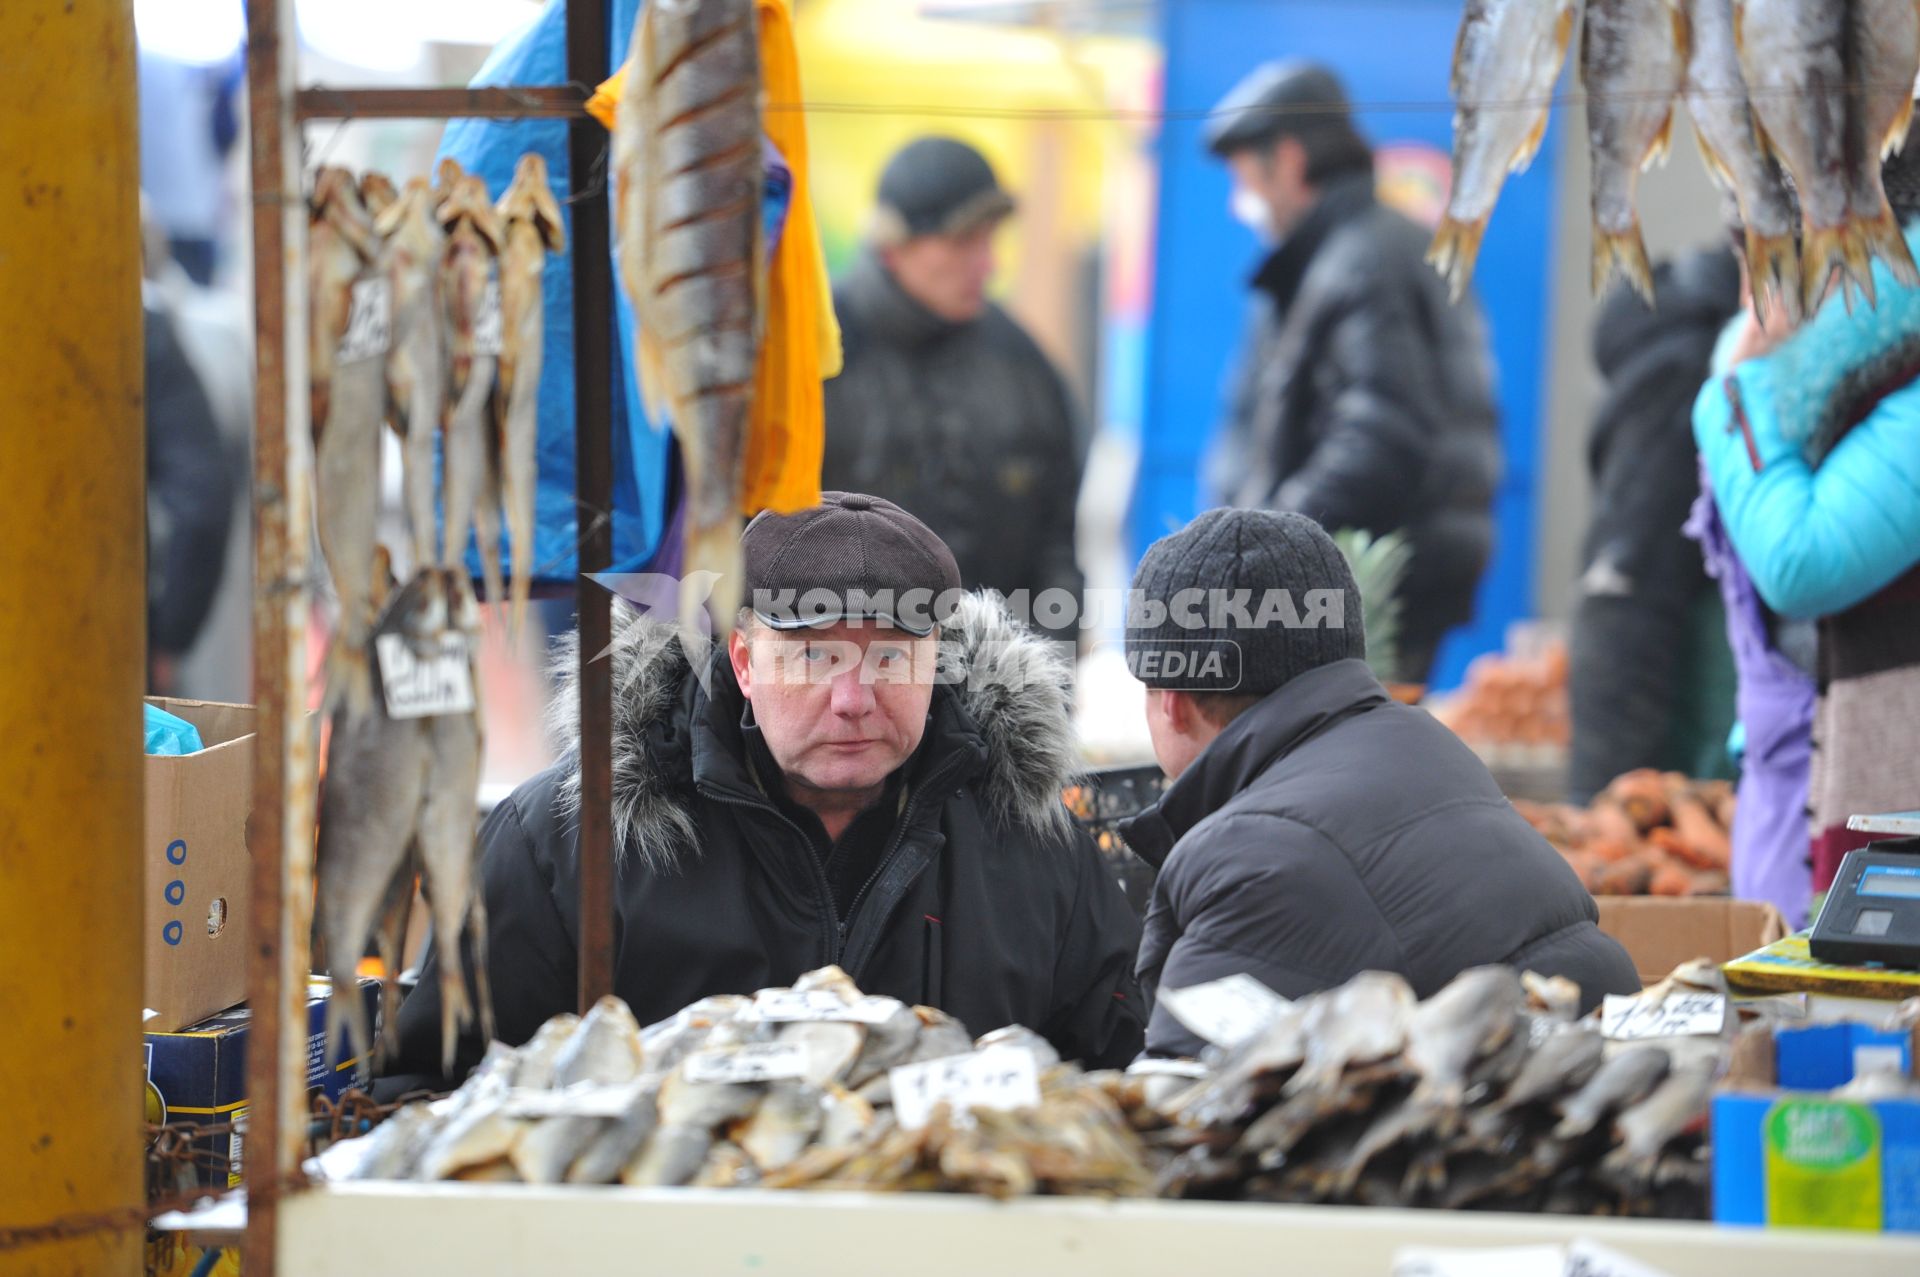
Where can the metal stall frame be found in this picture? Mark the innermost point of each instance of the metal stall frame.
(281, 832)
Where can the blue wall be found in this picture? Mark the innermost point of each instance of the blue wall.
(1388, 53)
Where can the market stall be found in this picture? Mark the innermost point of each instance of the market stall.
(1419, 1080)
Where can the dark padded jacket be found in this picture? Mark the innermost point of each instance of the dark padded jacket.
(1330, 830)
(968, 426)
(1364, 399)
(987, 902)
(1638, 687)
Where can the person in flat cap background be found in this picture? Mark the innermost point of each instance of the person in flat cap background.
(814, 794)
(1362, 397)
(1315, 827)
(945, 404)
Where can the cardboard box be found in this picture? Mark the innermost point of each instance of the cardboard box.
(200, 1073)
(197, 867)
(1661, 932)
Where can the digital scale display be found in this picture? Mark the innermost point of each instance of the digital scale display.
(1872, 913)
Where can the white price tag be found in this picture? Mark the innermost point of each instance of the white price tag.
(1681, 1015)
(787, 1005)
(1193, 1070)
(1590, 1259)
(748, 1062)
(1225, 1012)
(369, 323)
(420, 686)
(1509, 1261)
(1000, 1077)
(487, 329)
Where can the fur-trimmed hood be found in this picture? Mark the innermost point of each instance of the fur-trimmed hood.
(1007, 684)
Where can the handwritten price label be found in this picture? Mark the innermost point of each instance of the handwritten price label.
(487, 329)
(1681, 1015)
(788, 1005)
(1000, 1077)
(369, 323)
(423, 684)
(749, 1062)
(1581, 1259)
(1226, 1012)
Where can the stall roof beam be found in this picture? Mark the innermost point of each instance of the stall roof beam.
(530, 102)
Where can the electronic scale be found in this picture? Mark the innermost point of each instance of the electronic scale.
(1872, 911)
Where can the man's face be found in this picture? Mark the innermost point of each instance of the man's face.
(947, 274)
(1276, 177)
(840, 707)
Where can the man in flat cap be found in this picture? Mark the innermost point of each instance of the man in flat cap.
(1315, 827)
(1362, 399)
(869, 774)
(945, 405)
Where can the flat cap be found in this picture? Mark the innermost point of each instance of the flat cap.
(851, 558)
(1292, 98)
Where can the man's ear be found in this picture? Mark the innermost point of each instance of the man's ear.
(741, 655)
(1181, 713)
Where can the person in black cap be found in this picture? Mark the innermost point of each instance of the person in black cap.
(1315, 827)
(870, 774)
(1363, 398)
(945, 405)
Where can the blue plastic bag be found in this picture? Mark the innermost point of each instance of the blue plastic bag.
(171, 734)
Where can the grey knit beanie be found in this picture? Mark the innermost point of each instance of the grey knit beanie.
(1242, 601)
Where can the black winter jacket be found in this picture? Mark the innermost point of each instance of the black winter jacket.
(1330, 830)
(1364, 399)
(989, 904)
(1641, 575)
(968, 426)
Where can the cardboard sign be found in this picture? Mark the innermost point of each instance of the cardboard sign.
(1000, 1077)
(369, 332)
(1226, 1012)
(422, 685)
(1680, 1015)
(748, 1062)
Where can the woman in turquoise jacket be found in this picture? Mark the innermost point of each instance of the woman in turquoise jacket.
(1810, 445)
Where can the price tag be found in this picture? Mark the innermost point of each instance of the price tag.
(1681, 1015)
(787, 1005)
(1000, 1077)
(582, 1099)
(748, 1062)
(369, 323)
(1226, 1012)
(1508, 1261)
(421, 686)
(1193, 1070)
(1590, 1259)
(487, 328)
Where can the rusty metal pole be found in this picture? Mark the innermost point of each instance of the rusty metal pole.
(280, 832)
(73, 635)
(593, 338)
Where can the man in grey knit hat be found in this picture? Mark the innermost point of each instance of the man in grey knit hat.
(1315, 827)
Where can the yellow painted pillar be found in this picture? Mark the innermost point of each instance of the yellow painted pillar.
(72, 639)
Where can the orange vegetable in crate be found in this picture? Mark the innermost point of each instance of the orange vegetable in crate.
(1608, 819)
(1643, 795)
(1705, 843)
(1671, 879)
(1628, 877)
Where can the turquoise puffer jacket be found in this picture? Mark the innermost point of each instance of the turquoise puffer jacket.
(1822, 525)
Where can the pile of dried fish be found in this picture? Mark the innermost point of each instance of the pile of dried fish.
(1476, 1098)
(792, 1088)
(407, 290)
(1818, 92)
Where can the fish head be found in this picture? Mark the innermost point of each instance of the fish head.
(377, 192)
(530, 200)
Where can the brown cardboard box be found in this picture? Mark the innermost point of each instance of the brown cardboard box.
(1661, 932)
(197, 867)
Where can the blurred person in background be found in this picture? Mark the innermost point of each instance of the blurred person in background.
(1363, 399)
(1809, 443)
(1651, 676)
(945, 406)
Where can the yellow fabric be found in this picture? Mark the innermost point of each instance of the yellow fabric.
(800, 347)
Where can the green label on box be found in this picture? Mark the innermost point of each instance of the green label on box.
(1823, 1165)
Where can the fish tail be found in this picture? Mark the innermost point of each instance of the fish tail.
(456, 1012)
(1455, 249)
(1773, 265)
(1822, 258)
(1880, 237)
(347, 1014)
(1896, 139)
(1625, 253)
(482, 986)
(714, 549)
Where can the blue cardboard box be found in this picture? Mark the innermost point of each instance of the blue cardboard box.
(1795, 1159)
(199, 1073)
